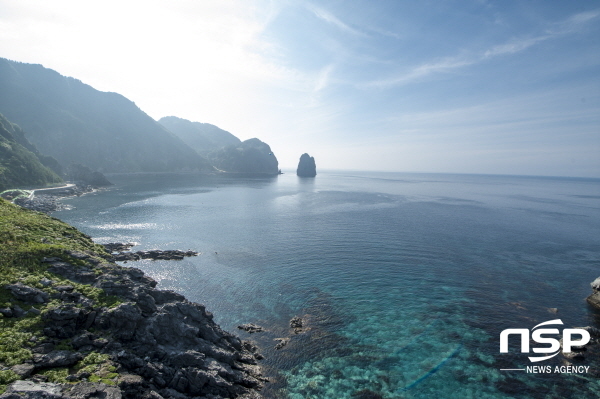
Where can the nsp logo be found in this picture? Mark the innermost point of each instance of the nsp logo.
(538, 335)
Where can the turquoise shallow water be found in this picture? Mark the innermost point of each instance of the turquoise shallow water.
(405, 280)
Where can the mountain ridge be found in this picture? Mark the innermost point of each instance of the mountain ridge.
(75, 123)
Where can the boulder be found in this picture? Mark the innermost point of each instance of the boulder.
(27, 294)
(56, 359)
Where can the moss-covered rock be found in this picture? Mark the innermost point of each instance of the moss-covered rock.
(72, 319)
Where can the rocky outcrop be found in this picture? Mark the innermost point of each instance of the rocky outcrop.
(121, 253)
(251, 328)
(594, 299)
(147, 343)
(306, 166)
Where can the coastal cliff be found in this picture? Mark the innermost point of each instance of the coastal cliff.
(73, 324)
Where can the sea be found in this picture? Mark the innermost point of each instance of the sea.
(404, 281)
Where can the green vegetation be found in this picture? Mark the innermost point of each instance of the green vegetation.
(15, 335)
(6, 377)
(19, 165)
(26, 237)
(100, 367)
(57, 375)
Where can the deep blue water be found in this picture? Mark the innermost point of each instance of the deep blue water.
(406, 280)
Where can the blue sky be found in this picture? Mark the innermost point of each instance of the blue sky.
(471, 86)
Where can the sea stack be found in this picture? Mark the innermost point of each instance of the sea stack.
(306, 166)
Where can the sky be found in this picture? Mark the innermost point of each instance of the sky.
(465, 86)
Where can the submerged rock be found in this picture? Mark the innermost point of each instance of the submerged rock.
(281, 342)
(306, 166)
(297, 324)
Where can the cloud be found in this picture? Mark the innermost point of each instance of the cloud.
(323, 78)
(513, 46)
(571, 25)
(424, 70)
(333, 20)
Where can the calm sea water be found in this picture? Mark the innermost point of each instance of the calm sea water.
(405, 280)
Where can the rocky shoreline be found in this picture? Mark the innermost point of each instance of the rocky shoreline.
(48, 203)
(142, 342)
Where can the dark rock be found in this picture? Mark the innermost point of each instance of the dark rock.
(78, 274)
(56, 359)
(78, 255)
(122, 320)
(164, 296)
(88, 390)
(34, 311)
(100, 342)
(17, 311)
(252, 348)
(6, 312)
(155, 254)
(23, 370)
(306, 166)
(27, 294)
(594, 299)
(64, 321)
(251, 328)
(188, 358)
(281, 342)
(297, 324)
(84, 339)
(43, 348)
(118, 246)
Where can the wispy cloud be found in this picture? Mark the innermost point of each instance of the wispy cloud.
(422, 71)
(323, 78)
(513, 46)
(333, 20)
(569, 26)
